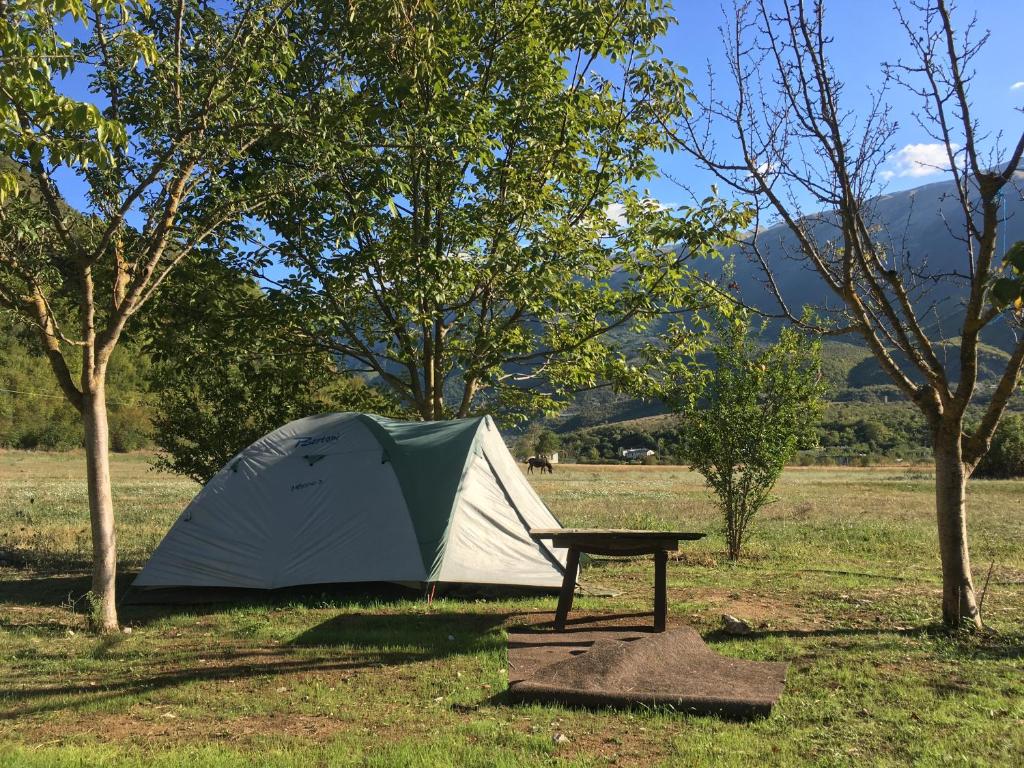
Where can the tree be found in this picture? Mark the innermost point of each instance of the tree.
(481, 250)
(37, 117)
(746, 415)
(228, 371)
(190, 168)
(872, 432)
(796, 146)
(546, 444)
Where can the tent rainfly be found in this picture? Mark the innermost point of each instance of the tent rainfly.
(350, 497)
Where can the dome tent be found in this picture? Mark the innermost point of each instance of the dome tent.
(348, 497)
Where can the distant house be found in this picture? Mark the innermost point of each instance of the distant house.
(631, 454)
(551, 457)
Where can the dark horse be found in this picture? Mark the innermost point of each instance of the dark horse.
(540, 462)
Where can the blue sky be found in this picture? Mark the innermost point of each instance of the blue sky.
(866, 33)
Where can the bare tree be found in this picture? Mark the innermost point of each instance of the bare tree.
(798, 150)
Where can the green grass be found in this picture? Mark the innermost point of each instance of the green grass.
(841, 582)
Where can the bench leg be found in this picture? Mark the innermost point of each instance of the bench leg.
(660, 591)
(572, 564)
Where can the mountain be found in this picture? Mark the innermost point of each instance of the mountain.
(915, 227)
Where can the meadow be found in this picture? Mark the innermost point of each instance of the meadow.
(841, 581)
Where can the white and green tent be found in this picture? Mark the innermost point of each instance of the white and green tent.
(350, 497)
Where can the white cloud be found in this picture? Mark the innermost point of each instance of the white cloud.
(617, 213)
(1017, 86)
(916, 160)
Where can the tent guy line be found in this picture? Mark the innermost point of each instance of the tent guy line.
(54, 397)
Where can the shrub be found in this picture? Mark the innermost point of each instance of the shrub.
(131, 428)
(748, 416)
(1005, 459)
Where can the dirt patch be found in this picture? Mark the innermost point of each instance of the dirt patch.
(594, 663)
(776, 611)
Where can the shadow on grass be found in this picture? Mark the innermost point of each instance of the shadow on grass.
(48, 590)
(42, 557)
(590, 622)
(141, 607)
(720, 635)
(425, 636)
(68, 590)
(342, 645)
(987, 644)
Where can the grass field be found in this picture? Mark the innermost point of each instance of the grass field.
(841, 581)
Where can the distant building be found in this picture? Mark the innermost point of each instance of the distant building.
(551, 457)
(631, 454)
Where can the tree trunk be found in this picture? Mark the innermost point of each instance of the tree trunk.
(101, 506)
(733, 535)
(958, 602)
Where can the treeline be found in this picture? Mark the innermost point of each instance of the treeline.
(849, 433)
(35, 415)
(193, 378)
(892, 431)
(604, 444)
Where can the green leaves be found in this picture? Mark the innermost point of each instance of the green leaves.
(457, 245)
(1014, 257)
(36, 120)
(229, 369)
(746, 413)
(1005, 290)
(8, 184)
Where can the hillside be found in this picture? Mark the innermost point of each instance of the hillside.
(918, 236)
(855, 432)
(34, 413)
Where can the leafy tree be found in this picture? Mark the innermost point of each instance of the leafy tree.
(228, 372)
(796, 144)
(547, 443)
(189, 165)
(872, 432)
(1005, 458)
(37, 118)
(746, 415)
(471, 257)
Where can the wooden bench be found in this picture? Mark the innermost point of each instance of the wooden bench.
(604, 541)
